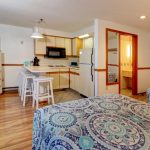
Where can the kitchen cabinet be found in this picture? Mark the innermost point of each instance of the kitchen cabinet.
(76, 84)
(74, 79)
(60, 42)
(88, 42)
(55, 77)
(77, 44)
(54, 73)
(68, 47)
(50, 41)
(40, 46)
(60, 78)
(64, 78)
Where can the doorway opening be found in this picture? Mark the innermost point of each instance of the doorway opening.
(128, 64)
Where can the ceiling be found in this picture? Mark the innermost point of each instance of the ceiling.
(72, 15)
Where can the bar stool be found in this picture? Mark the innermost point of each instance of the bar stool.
(42, 89)
(27, 86)
(20, 79)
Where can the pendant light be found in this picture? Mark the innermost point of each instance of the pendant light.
(36, 34)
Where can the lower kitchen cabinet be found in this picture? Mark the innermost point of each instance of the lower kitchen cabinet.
(74, 80)
(55, 82)
(64, 80)
(60, 78)
(76, 83)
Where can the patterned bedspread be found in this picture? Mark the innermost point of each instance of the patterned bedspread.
(109, 122)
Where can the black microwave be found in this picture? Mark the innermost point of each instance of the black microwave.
(55, 52)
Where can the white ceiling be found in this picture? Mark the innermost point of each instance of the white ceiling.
(72, 15)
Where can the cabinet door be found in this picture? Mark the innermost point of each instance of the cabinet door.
(76, 86)
(50, 41)
(55, 77)
(74, 47)
(77, 45)
(68, 47)
(60, 42)
(64, 80)
(40, 46)
(88, 43)
(72, 81)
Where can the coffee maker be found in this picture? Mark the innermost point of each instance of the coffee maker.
(36, 61)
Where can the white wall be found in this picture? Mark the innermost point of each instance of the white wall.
(100, 50)
(17, 46)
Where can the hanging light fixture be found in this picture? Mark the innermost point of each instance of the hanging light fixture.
(36, 34)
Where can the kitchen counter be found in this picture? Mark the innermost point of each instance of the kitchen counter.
(45, 69)
(63, 76)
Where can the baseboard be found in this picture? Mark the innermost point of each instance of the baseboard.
(10, 88)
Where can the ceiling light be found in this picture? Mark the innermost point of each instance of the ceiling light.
(36, 34)
(84, 36)
(142, 17)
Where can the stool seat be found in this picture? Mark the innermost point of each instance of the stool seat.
(43, 84)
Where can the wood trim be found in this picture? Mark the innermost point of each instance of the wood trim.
(100, 70)
(134, 64)
(57, 58)
(39, 54)
(74, 73)
(53, 72)
(113, 65)
(57, 36)
(112, 50)
(119, 54)
(134, 58)
(112, 83)
(107, 55)
(72, 56)
(143, 68)
(121, 32)
(12, 65)
(64, 72)
(58, 72)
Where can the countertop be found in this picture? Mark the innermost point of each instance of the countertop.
(44, 69)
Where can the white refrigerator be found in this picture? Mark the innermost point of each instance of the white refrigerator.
(86, 72)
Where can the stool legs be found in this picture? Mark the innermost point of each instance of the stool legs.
(52, 94)
(24, 91)
(47, 88)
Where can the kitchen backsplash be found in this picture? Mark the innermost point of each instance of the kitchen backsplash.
(48, 61)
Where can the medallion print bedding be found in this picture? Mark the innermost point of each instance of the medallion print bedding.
(110, 122)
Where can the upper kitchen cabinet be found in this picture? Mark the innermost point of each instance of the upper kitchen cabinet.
(88, 42)
(50, 41)
(60, 42)
(40, 46)
(53, 41)
(68, 46)
(77, 44)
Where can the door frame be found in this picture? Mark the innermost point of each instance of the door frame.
(134, 58)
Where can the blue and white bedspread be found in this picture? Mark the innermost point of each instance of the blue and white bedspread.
(109, 122)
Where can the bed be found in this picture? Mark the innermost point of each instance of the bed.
(109, 122)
